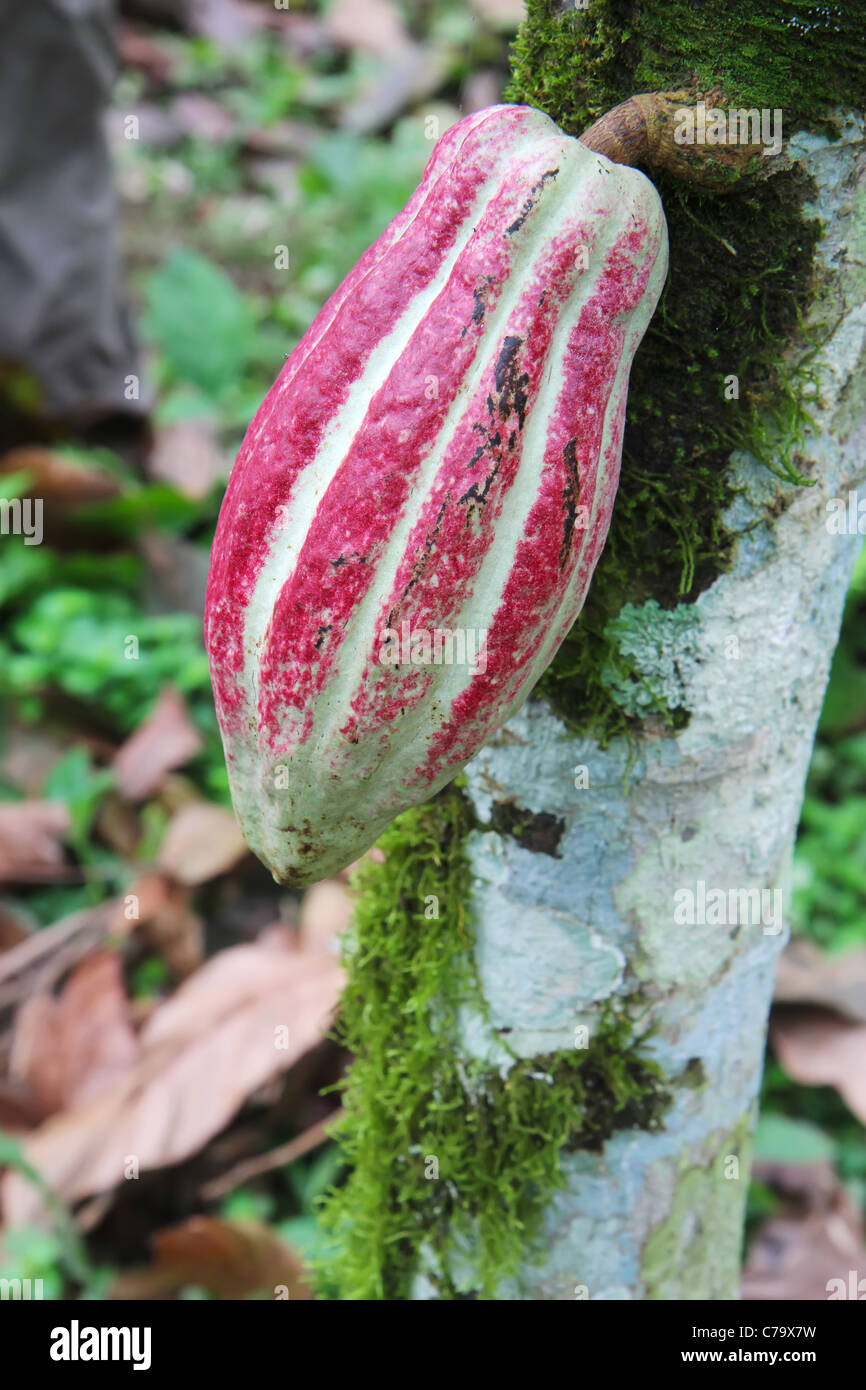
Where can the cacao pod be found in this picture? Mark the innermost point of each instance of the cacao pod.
(412, 522)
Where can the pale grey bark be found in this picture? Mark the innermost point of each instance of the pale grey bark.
(658, 1215)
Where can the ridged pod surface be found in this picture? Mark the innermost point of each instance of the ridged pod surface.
(414, 517)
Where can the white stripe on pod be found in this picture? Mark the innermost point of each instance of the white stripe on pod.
(286, 540)
(580, 188)
(556, 207)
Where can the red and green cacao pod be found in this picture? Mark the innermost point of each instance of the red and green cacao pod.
(414, 517)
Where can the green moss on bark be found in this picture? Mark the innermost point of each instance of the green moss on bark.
(695, 1254)
(446, 1156)
(804, 56)
(740, 282)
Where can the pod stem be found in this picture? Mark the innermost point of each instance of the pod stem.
(667, 131)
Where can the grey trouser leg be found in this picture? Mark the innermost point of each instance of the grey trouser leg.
(62, 311)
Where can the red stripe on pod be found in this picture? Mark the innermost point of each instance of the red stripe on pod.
(357, 515)
(464, 508)
(288, 427)
(541, 574)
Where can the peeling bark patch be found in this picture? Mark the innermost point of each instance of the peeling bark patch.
(539, 832)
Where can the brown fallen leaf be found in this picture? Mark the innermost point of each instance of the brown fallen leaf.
(28, 756)
(14, 927)
(808, 975)
(304, 35)
(232, 1259)
(139, 50)
(374, 26)
(287, 1153)
(326, 911)
(118, 824)
(200, 116)
(227, 22)
(172, 928)
(820, 1049)
(282, 138)
(201, 841)
(44, 956)
(373, 856)
(176, 573)
(247, 1015)
(186, 453)
(810, 1186)
(411, 75)
(60, 482)
(30, 835)
(19, 1107)
(480, 89)
(797, 1260)
(68, 1049)
(167, 739)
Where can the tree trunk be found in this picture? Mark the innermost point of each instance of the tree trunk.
(627, 895)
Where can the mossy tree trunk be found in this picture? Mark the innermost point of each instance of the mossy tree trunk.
(560, 978)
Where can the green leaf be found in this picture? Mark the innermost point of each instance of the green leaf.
(780, 1139)
(201, 322)
(75, 781)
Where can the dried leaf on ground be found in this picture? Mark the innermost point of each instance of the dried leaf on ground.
(245, 1017)
(19, 1107)
(68, 1049)
(29, 755)
(58, 481)
(376, 26)
(227, 22)
(230, 1258)
(118, 825)
(40, 959)
(14, 927)
(808, 975)
(176, 573)
(795, 1260)
(201, 841)
(30, 841)
(326, 911)
(172, 928)
(479, 90)
(409, 76)
(186, 453)
(202, 117)
(166, 740)
(139, 50)
(820, 1049)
